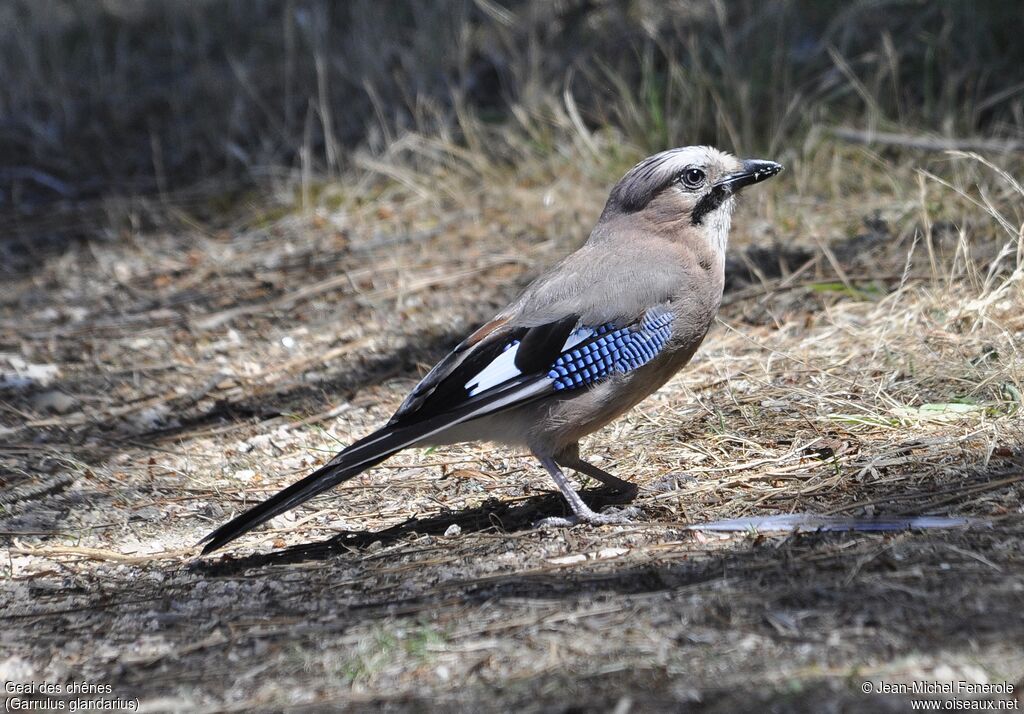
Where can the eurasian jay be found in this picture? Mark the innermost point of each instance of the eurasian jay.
(584, 343)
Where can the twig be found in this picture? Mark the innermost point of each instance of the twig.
(927, 143)
(99, 554)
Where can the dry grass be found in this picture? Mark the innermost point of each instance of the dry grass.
(196, 103)
(201, 370)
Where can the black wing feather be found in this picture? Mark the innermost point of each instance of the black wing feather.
(450, 391)
(541, 345)
(444, 387)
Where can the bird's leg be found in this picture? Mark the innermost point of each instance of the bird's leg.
(581, 511)
(575, 463)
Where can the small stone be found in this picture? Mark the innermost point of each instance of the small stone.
(55, 401)
(245, 475)
(453, 530)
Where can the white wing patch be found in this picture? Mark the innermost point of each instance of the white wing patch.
(577, 336)
(503, 367)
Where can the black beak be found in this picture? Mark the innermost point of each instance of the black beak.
(753, 171)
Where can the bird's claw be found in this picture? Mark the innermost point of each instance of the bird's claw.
(611, 516)
(557, 522)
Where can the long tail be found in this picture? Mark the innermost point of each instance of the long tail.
(351, 462)
(364, 454)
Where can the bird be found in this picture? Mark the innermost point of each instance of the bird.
(584, 343)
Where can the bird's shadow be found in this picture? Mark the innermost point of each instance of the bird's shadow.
(492, 515)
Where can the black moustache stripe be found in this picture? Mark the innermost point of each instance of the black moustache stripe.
(714, 198)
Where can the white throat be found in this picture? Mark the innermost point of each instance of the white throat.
(717, 225)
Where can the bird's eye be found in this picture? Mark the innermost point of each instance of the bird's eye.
(692, 178)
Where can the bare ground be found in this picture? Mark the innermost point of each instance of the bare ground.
(197, 370)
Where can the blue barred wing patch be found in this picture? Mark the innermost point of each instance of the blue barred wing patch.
(612, 350)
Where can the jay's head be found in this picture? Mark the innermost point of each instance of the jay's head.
(692, 186)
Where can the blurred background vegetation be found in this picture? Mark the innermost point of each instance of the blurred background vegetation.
(136, 98)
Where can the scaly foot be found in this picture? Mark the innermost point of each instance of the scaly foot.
(614, 516)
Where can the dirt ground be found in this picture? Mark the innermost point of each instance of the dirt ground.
(158, 382)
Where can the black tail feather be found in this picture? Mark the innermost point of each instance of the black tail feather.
(366, 453)
(351, 462)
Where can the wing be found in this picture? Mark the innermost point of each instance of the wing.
(492, 355)
(481, 341)
(582, 298)
(533, 362)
